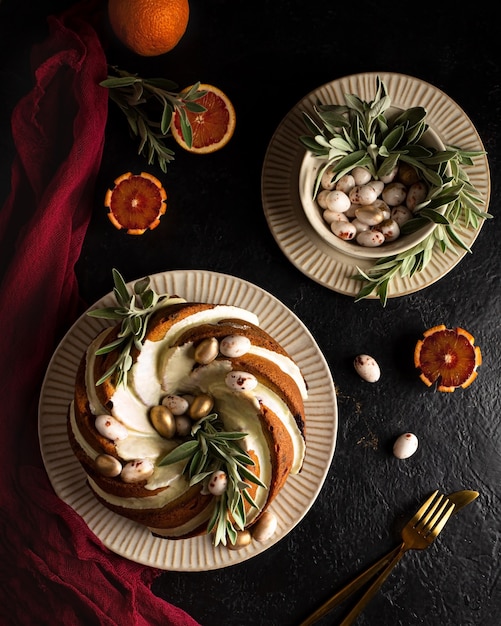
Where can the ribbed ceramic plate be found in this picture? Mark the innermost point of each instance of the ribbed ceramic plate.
(133, 541)
(280, 181)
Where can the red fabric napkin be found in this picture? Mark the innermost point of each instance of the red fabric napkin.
(53, 570)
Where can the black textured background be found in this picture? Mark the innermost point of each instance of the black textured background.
(266, 56)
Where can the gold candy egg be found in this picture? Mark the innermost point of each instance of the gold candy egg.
(201, 406)
(206, 351)
(370, 214)
(108, 465)
(163, 421)
(243, 539)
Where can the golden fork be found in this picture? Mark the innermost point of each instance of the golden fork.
(419, 532)
(460, 499)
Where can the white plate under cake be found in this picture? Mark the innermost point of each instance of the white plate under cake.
(294, 497)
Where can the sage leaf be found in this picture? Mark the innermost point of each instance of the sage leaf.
(180, 453)
(114, 83)
(109, 313)
(433, 216)
(166, 119)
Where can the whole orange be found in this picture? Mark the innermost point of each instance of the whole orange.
(149, 27)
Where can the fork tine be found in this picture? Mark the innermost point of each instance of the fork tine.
(419, 514)
(425, 519)
(422, 510)
(435, 530)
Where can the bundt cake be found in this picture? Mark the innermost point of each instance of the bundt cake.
(187, 417)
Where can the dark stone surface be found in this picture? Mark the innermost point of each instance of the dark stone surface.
(266, 56)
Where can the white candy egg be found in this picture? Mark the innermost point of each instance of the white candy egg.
(405, 446)
(183, 425)
(345, 183)
(377, 185)
(370, 238)
(378, 207)
(217, 483)
(338, 201)
(265, 527)
(326, 181)
(334, 216)
(361, 175)
(394, 194)
(344, 230)
(234, 345)
(390, 229)
(416, 194)
(363, 194)
(387, 178)
(401, 214)
(137, 470)
(360, 226)
(177, 404)
(322, 198)
(240, 381)
(367, 368)
(351, 212)
(111, 428)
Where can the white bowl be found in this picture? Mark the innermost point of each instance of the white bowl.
(307, 178)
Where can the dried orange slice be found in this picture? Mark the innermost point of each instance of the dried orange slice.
(136, 202)
(212, 128)
(447, 357)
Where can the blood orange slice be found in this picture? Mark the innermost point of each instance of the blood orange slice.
(447, 357)
(136, 202)
(210, 129)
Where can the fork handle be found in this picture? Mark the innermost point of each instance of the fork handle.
(350, 588)
(373, 588)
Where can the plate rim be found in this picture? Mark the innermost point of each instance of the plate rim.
(141, 546)
(282, 207)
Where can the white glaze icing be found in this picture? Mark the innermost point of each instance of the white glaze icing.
(161, 370)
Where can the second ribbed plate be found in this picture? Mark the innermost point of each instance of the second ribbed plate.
(280, 181)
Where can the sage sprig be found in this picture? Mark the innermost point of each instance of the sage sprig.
(140, 99)
(133, 310)
(359, 133)
(462, 210)
(211, 448)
